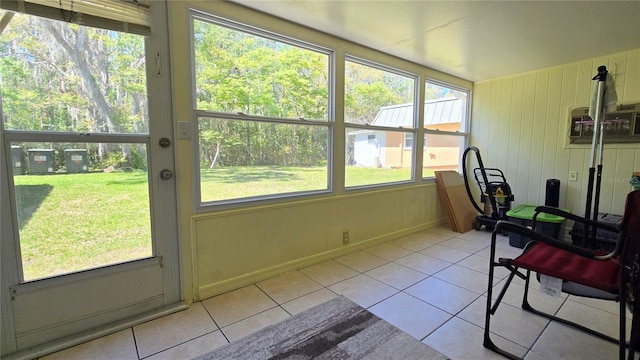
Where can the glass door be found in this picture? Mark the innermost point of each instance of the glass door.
(91, 235)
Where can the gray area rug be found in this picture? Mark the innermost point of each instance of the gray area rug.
(337, 329)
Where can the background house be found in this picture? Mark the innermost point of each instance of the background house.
(376, 149)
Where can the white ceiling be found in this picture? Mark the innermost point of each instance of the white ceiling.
(474, 40)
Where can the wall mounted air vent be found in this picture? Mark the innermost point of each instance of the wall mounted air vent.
(620, 126)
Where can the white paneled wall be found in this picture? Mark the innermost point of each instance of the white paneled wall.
(521, 125)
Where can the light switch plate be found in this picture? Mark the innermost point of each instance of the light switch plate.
(573, 176)
(184, 131)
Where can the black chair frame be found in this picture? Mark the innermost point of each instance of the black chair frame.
(628, 274)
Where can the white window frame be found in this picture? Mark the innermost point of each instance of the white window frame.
(413, 130)
(463, 133)
(328, 123)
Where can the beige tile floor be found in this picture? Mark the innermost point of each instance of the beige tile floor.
(431, 284)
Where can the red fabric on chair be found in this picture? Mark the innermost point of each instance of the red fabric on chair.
(555, 262)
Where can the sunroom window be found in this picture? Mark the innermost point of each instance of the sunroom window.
(262, 111)
(379, 101)
(445, 125)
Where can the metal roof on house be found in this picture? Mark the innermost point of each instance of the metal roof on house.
(438, 111)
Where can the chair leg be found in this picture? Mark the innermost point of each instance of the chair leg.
(573, 324)
(635, 332)
(487, 315)
(525, 296)
(622, 345)
(632, 346)
(505, 287)
(490, 310)
(527, 306)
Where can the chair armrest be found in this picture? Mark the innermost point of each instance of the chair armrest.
(512, 227)
(574, 217)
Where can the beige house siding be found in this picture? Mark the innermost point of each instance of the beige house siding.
(395, 154)
(441, 153)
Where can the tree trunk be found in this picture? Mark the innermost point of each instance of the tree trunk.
(76, 52)
(216, 157)
(126, 154)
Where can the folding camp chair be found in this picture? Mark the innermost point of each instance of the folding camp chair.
(584, 272)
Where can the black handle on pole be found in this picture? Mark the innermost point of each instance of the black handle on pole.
(602, 73)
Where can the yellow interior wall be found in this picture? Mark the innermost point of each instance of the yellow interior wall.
(520, 124)
(237, 248)
(226, 249)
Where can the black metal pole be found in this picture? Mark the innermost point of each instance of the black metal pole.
(596, 202)
(587, 213)
(601, 77)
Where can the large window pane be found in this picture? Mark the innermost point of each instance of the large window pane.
(377, 99)
(445, 123)
(239, 72)
(80, 206)
(68, 78)
(377, 157)
(243, 158)
(368, 89)
(272, 85)
(445, 109)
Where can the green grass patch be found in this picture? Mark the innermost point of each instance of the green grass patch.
(71, 222)
(79, 221)
(428, 173)
(360, 176)
(248, 181)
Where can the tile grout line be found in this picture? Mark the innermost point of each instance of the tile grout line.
(219, 328)
(182, 343)
(135, 342)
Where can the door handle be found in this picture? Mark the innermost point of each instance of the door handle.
(164, 142)
(166, 174)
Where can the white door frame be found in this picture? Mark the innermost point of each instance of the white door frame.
(144, 288)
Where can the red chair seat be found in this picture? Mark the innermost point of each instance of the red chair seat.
(551, 261)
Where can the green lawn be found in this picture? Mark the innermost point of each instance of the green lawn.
(71, 222)
(78, 221)
(240, 182)
(359, 176)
